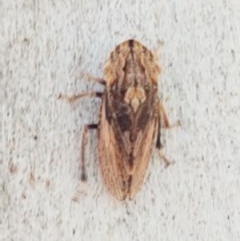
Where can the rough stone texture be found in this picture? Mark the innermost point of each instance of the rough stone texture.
(45, 47)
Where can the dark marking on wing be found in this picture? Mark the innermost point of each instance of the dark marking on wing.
(130, 181)
(144, 114)
(131, 158)
(122, 112)
(124, 121)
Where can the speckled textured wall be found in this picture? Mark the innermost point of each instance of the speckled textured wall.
(45, 49)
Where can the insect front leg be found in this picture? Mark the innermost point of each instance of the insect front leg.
(96, 79)
(73, 98)
(83, 147)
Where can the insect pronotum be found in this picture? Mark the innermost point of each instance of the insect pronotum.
(131, 117)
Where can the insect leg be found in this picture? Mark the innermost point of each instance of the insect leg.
(83, 147)
(99, 80)
(164, 118)
(159, 145)
(73, 98)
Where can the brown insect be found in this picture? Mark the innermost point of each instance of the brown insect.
(131, 116)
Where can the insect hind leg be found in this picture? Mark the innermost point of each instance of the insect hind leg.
(162, 119)
(83, 147)
(159, 147)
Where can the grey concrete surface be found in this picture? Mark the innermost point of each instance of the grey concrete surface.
(45, 48)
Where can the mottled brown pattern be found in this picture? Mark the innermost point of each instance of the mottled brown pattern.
(129, 118)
